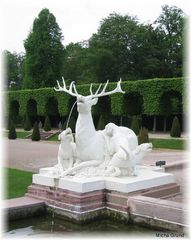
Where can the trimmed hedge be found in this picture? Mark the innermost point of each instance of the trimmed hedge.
(150, 90)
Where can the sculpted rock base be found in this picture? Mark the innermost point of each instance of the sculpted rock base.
(147, 177)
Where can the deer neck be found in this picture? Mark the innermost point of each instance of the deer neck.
(85, 128)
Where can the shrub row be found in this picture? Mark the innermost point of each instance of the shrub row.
(151, 92)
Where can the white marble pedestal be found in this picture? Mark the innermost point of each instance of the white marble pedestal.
(148, 177)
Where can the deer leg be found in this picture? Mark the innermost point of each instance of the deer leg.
(72, 170)
(70, 165)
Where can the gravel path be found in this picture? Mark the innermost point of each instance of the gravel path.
(27, 155)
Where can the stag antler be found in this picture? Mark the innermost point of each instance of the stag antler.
(103, 93)
(64, 89)
(93, 95)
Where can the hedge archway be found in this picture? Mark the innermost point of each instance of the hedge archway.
(133, 104)
(170, 105)
(14, 110)
(151, 90)
(31, 110)
(102, 108)
(51, 110)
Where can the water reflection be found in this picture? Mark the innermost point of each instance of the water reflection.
(41, 226)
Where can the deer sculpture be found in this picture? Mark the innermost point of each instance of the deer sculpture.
(91, 145)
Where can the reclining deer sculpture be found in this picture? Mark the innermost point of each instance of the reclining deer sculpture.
(93, 147)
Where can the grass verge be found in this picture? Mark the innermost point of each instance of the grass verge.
(54, 137)
(21, 134)
(178, 144)
(16, 182)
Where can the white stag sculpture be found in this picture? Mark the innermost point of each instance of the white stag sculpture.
(89, 142)
(94, 149)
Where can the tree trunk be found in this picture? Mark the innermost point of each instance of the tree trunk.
(164, 129)
(121, 121)
(154, 123)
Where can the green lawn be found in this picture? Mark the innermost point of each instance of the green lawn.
(16, 182)
(168, 143)
(20, 134)
(54, 137)
(157, 143)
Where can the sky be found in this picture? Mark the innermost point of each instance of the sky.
(78, 19)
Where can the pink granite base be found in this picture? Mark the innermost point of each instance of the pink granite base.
(81, 202)
(161, 213)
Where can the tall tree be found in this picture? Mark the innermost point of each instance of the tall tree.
(171, 24)
(117, 34)
(13, 70)
(74, 61)
(78, 63)
(44, 52)
(132, 50)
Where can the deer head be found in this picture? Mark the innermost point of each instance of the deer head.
(84, 103)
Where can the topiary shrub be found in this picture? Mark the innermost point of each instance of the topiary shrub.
(47, 124)
(64, 125)
(27, 123)
(135, 125)
(101, 123)
(12, 132)
(8, 123)
(36, 133)
(60, 125)
(143, 136)
(175, 129)
(40, 124)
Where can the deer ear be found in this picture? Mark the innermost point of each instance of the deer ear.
(94, 101)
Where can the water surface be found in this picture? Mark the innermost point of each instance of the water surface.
(42, 227)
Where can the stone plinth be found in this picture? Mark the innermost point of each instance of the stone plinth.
(152, 212)
(147, 178)
(78, 196)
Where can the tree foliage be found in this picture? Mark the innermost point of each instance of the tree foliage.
(116, 35)
(171, 25)
(75, 62)
(122, 47)
(44, 52)
(13, 70)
